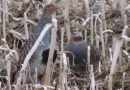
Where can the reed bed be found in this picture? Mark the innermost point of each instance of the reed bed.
(104, 23)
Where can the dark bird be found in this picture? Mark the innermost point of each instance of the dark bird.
(40, 56)
(78, 47)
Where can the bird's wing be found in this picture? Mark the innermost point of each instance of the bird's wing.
(95, 54)
(26, 48)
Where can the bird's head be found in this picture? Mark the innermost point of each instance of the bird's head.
(50, 9)
(77, 36)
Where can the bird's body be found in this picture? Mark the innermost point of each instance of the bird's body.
(40, 56)
(79, 48)
(79, 58)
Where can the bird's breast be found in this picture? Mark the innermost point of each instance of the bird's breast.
(79, 51)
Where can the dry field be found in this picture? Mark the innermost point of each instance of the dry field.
(104, 23)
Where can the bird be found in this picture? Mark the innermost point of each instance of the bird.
(40, 56)
(77, 54)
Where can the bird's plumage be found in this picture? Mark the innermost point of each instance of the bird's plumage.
(79, 49)
(40, 56)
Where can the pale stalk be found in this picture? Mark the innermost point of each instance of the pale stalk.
(125, 24)
(97, 18)
(8, 49)
(85, 27)
(104, 22)
(88, 58)
(9, 74)
(87, 8)
(114, 4)
(126, 53)
(51, 53)
(4, 21)
(99, 67)
(20, 5)
(25, 26)
(87, 16)
(17, 19)
(0, 85)
(102, 39)
(17, 35)
(113, 41)
(97, 41)
(0, 14)
(8, 57)
(85, 21)
(113, 36)
(65, 68)
(6, 4)
(95, 28)
(122, 8)
(91, 26)
(32, 22)
(14, 51)
(27, 88)
(124, 32)
(66, 19)
(123, 80)
(110, 51)
(6, 45)
(29, 7)
(62, 38)
(118, 45)
(92, 78)
(44, 87)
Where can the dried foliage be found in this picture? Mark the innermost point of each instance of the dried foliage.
(104, 23)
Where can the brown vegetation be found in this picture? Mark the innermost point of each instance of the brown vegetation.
(104, 23)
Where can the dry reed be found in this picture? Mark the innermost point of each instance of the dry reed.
(100, 20)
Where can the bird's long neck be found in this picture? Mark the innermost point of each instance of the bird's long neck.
(42, 22)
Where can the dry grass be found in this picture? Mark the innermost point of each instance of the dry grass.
(103, 23)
